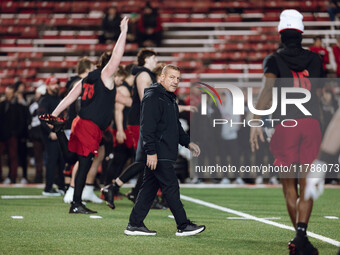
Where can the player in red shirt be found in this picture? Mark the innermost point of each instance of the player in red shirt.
(297, 145)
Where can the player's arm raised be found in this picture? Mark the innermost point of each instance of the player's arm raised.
(116, 56)
(69, 99)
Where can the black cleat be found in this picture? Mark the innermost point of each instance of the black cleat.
(80, 208)
(190, 230)
(131, 196)
(57, 122)
(51, 193)
(109, 191)
(301, 246)
(138, 231)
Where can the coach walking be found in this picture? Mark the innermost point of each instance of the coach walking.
(160, 134)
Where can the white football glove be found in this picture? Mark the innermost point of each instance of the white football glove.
(315, 182)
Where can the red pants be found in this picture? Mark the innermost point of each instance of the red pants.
(298, 144)
(85, 137)
(12, 147)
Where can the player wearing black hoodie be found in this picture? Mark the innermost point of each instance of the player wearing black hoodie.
(293, 145)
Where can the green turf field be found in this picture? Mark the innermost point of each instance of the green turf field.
(47, 228)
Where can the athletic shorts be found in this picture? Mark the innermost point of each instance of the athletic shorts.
(128, 142)
(298, 144)
(134, 133)
(85, 137)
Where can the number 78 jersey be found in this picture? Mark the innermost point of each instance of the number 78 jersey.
(296, 68)
(97, 101)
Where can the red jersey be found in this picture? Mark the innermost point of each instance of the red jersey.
(323, 52)
(336, 52)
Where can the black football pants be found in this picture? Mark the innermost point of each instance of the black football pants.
(163, 177)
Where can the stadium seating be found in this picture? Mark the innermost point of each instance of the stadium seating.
(210, 40)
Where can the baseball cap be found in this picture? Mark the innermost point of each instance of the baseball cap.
(41, 89)
(291, 19)
(51, 80)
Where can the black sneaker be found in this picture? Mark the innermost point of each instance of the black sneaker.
(109, 191)
(190, 230)
(51, 193)
(138, 231)
(131, 196)
(80, 208)
(301, 245)
(57, 122)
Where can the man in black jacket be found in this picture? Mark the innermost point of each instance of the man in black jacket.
(54, 158)
(160, 134)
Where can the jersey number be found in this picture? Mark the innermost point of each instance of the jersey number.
(88, 91)
(301, 80)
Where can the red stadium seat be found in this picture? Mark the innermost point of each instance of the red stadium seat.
(9, 6)
(233, 18)
(27, 5)
(62, 7)
(8, 21)
(180, 18)
(45, 7)
(99, 6)
(26, 72)
(80, 7)
(255, 71)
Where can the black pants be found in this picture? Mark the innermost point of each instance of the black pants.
(54, 160)
(121, 156)
(22, 156)
(69, 157)
(11, 145)
(231, 148)
(131, 171)
(38, 150)
(80, 180)
(163, 177)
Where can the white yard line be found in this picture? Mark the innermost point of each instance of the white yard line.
(23, 197)
(251, 217)
(241, 218)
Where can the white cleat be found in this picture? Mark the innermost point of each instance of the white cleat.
(259, 180)
(89, 195)
(225, 181)
(7, 181)
(239, 181)
(23, 181)
(68, 198)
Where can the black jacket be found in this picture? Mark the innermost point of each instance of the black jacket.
(13, 120)
(47, 104)
(161, 131)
